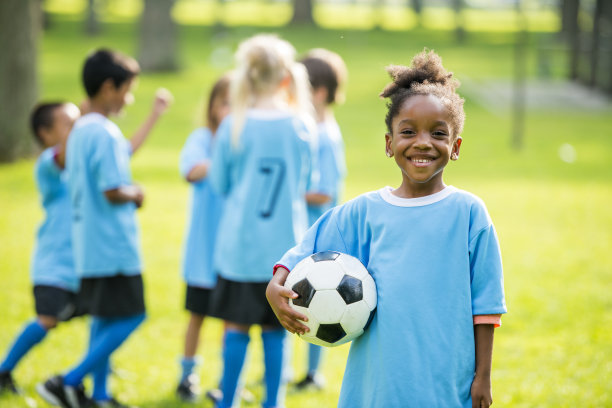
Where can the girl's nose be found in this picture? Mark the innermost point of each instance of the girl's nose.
(422, 140)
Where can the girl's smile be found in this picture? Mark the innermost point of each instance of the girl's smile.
(422, 144)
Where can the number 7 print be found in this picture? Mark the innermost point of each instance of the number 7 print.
(273, 170)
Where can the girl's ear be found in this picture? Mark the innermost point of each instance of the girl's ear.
(456, 147)
(388, 140)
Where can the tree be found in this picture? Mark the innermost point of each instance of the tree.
(158, 37)
(92, 24)
(302, 12)
(19, 28)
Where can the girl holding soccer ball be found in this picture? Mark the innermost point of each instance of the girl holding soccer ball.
(433, 252)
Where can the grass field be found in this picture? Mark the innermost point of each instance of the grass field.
(553, 217)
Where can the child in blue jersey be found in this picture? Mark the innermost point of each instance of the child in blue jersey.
(433, 252)
(327, 75)
(206, 207)
(52, 270)
(261, 165)
(104, 228)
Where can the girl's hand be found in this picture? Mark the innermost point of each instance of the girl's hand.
(161, 103)
(482, 396)
(278, 297)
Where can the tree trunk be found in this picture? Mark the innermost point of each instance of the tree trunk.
(596, 42)
(572, 35)
(459, 29)
(417, 5)
(92, 24)
(19, 28)
(158, 37)
(302, 12)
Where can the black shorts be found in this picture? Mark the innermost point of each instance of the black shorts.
(113, 296)
(197, 300)
(242, 303)
(59, 303)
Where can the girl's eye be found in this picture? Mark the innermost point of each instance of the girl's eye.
(439, 134)
(407, 132)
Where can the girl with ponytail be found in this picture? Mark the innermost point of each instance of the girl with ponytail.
(261, 165)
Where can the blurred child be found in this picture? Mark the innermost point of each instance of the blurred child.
(433, 252)
(104, 226)
(52, 270)
(206, 208)
(261, 164)
(327, 74)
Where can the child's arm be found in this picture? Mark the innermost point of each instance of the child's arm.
(198, 172)
(163, 99)
(125, 194)
(481, 386)
(278, 297)
(317, 198)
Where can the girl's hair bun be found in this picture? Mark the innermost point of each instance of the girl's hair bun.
(425, 68)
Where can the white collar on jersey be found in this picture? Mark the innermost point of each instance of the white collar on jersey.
(268, 114)
(387, 195)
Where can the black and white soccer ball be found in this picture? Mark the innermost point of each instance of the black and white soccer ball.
(337, 294)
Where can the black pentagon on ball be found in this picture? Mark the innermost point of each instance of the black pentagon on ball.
(350, 289)
(305, 291)
(330, 333)
(325, 256)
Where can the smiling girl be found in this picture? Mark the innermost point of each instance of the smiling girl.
(433, 252)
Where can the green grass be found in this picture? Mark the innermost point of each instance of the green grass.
(553, 218)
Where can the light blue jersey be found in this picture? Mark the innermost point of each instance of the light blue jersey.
(264, 180)
(332, 168)
(105, 235)
(206, 209)
(436, 262)
(52, 260)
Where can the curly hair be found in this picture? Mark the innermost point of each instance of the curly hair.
(424, 76)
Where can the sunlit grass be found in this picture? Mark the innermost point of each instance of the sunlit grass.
(552, 217)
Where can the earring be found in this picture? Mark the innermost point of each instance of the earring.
(454, 156)
(388, 153)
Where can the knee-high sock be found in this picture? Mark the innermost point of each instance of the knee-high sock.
(31, 334)
(274, 344)
(234, 353)
(314, 358)
(101, 371)
(111, 333)
(188, 364)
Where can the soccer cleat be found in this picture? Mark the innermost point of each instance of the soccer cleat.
(56, 393)
(188, 390)
(311, 381)
(110, 403)
(7, 384)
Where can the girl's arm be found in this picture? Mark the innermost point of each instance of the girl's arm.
(482, 396)
(198, 172)
(317, 198)
(278, 297)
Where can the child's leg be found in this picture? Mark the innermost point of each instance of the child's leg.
(111, 333)
(192, 337)
(101, 371)
(314, 358)
(274, 351)
(234, 352)
(31, 334)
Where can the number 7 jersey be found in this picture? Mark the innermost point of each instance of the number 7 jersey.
(264, 179)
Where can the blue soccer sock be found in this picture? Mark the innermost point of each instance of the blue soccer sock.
(188, 364)
(314, 358)
(31, 334)
(111, 333)
(101, 371)
(273, 345)
(234, 353)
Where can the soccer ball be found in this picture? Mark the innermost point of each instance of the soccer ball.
(337, 294)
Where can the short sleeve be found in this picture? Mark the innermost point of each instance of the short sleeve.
(46, 171)
(329, 177)
(487, 282)
(219, 173)
(324, 235)
(195, 151)
(110, 162)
